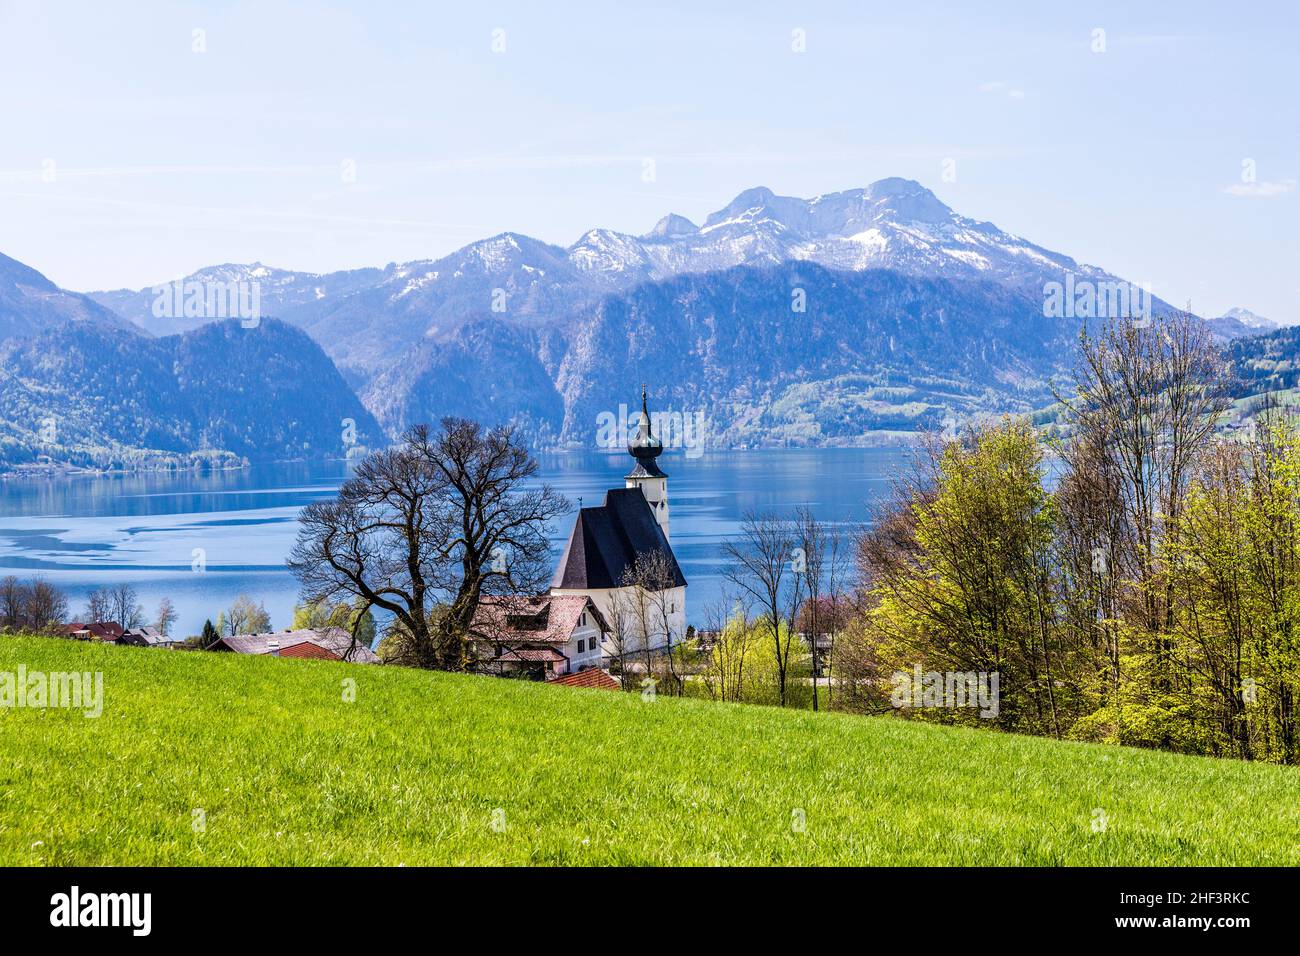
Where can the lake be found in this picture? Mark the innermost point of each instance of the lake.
(84, 531)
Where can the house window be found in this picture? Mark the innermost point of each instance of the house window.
(582, 619)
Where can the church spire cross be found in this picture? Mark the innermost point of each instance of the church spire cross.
(645, 428)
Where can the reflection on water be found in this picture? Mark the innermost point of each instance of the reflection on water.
(81, 532)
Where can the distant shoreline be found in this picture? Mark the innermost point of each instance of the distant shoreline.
(68, 471)
(885, 439)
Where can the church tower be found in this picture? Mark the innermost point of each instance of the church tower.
(645, 448)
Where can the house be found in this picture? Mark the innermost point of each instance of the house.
(602, 555)
(145, 637)
(540, 637)
(109, 631)
(326, 643)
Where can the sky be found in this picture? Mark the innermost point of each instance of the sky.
(142, 141)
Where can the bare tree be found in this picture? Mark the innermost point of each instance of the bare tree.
(621, 638)
(99, 606)
(36, 605)
(636, 594)
(812, 542)
(653, 573)
(1148, 395)
(836, 578)
(759, 565)
(123, 608)
(425, 529)
(46, 607)
(13, 596)
(166, 617)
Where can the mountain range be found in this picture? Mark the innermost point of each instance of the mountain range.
(840, 319)
(366, 318)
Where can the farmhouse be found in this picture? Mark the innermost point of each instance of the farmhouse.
(145, 637)
(94, 631)
(326, 643)
(541, 637)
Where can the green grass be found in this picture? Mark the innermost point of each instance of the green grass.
(287, 773)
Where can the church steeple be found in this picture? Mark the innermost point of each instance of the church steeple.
(645, 447)
(646, 474)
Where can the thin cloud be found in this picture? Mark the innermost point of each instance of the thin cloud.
(998, 86)
(242, 212)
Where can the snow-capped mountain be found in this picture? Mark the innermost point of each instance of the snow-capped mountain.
(892, 224)
(508, 322)
(1238, 322)
(281, 292)
(1250, 319)
(364, 317)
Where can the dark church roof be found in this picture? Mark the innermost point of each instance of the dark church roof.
(646, 468)
(606, 540)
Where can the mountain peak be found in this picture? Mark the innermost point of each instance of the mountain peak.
(892, 200)
(671, 225)
(1249, 319)
(760, 203)
(906, 200)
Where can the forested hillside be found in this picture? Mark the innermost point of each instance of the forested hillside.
(91, 394)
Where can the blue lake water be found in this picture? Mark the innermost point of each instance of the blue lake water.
(81, 532)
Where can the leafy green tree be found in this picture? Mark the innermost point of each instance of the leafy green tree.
(244, 617)
(963, 579)
(321, 614)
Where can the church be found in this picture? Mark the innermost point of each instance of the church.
(618, 597)
(620, 556)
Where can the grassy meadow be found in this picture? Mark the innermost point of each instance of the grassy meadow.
(220, 759)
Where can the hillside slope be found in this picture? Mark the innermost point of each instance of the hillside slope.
(1264, 363)
(222, 759)
(88, 394)
(30, 303)
(871, 351)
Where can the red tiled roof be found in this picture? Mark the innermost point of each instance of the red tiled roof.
(556, 616)
(532, 654)
(100, 631)
(592, 677)
(308, 649)
(332, 639)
